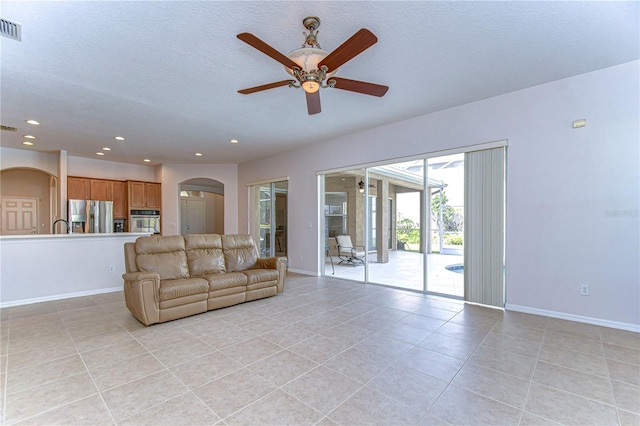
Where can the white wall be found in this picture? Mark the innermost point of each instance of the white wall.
(174, 174)
(100, 169)
(10, 158)
(572, 194)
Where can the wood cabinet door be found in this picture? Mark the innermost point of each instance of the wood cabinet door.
(100, 190)
(136, 195)
(153, 195)
(118, 196)
(78, 188)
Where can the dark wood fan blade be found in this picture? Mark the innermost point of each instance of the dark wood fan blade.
(358, 43)
(254, 41)
(359, 86)
(313, 103)
(265, 87)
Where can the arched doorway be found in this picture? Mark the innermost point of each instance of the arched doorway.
(201, 203)
(30, 201)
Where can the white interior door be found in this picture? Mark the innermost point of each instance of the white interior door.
(19, 216)
(192, 216)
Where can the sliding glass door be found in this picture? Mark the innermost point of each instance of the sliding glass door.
(396, 258)
(406, 224)
(268, 217)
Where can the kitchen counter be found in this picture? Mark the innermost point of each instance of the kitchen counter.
(38, 268)
(50, 236)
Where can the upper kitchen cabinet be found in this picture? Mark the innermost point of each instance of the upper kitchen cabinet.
(119, 198)
(143, 195)
(78, 188)
(100, 190)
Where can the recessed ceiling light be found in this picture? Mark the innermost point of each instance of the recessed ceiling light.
(32, 122)
(99, 153)
(146, 160)
(198, 154)
(106, 148)
(234, 141)
(119, 138)
(29, 143)
(28, 136)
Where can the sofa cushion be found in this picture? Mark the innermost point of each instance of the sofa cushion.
(173, 289)
(260, 275)
(204, 254)
(231, 279)
(240, 252)
(164, 255)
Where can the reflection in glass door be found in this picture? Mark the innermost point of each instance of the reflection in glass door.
(268, 217)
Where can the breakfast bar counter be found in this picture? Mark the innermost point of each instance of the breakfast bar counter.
(36, 268)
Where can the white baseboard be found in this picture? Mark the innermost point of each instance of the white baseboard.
(59, 297)
(570, 317)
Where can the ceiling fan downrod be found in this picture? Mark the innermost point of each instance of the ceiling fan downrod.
(311, 23)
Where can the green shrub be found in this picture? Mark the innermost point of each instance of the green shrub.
(453, 239)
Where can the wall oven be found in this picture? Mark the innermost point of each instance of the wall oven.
(144, 221)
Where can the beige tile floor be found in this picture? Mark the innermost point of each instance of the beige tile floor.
(326, 351)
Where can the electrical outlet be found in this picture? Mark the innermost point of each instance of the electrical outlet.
(111, 269)
(584, 289)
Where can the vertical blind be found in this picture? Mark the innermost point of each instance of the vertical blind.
(484, 206)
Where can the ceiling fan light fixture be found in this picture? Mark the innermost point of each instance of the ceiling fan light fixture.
(361, 186)
(310, 85)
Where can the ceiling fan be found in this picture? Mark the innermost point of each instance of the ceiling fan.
(314, 68)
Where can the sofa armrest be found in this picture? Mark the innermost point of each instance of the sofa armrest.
(141, 293)
(277, 263)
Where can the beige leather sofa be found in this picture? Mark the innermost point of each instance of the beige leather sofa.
(171, 277)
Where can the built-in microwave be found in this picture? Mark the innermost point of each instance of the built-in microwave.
(144, 221)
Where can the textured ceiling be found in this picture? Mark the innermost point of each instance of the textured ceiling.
(165, 75)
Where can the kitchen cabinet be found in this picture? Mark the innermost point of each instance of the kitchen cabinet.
(119, 197)
(78, 188)
(153, 195)
(100, 190)
(143, 195)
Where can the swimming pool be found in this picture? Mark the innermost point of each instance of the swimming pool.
(458, 268)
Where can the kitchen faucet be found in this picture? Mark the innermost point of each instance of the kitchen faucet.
(53, 227)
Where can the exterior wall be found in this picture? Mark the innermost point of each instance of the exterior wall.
(572, 194)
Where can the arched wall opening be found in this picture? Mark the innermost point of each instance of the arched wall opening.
(30, 201)
(201, 202)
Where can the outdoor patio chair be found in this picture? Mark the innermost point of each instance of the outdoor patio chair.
(347, 252)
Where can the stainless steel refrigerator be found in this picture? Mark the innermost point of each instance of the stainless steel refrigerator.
(90, 216)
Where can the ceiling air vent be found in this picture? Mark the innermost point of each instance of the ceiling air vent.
(8, 128)
(10, 29)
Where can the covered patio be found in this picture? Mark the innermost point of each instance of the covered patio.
(404, 269)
